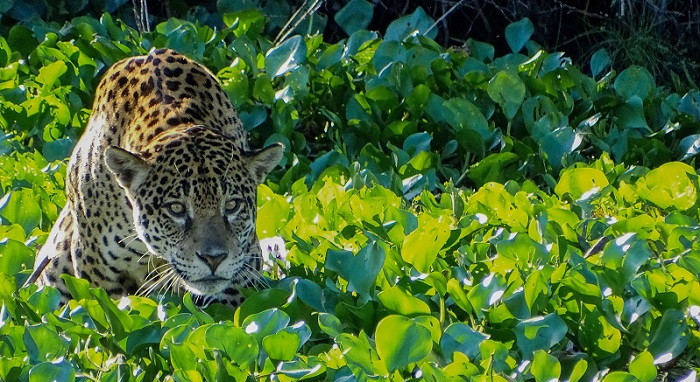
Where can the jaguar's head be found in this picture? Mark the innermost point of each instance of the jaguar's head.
(193, 194)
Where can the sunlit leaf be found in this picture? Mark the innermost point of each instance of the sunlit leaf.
(285, 57)
(545, 367)
(401, 341)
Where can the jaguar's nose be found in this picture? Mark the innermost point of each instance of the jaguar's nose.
(212, 260)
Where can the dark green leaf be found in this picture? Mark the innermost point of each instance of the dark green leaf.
(354, 16)
(539, 333)
(518, 34)
(635, 81)
(417, 22)
(459, 337)
(670, 336)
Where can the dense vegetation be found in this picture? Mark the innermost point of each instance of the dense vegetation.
(660, 35)
(447, 213)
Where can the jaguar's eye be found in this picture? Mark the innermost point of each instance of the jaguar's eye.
(232, 206)
(176, 209)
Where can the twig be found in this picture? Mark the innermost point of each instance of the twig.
(287, 29)
(444, 15)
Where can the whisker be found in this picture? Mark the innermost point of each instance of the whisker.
(132, 236)
(155, 278)
(152, 281)
(133, 239)
(174, 283)
(228, 166)
(252, 277)
(168, 278)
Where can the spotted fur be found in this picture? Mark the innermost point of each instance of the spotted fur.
(161, 188)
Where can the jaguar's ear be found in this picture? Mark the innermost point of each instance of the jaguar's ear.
(264, 160)
(130, 169)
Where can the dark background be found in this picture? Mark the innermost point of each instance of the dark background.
(661, 35)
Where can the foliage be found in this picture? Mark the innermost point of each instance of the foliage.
(658, 35)
(559, 262)
(504, 280)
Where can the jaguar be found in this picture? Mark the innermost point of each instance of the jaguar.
(160, 189)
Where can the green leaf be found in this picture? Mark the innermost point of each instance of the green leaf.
(642, 367)
(625, 255)
(579, 181)
(240, 347)
(15, 256)
(420, 248)
(578, 370)
(631, 116)
(432, 324)
(493, 168)
(358, 352)
(121, 323)
(58, 149)
(598, 336)
(61, 370)
(359, 40)
(417, 22)
(471, 128)
(401, 341)
(354, 16)
(519, 33)
(599, 61)
(51, 73)
(263, 90)
(20, 207)
(265, 323)
(522, 249)
(497, 354)
(235, 82)
(300, 370)
(364, 268)
(689, 146)
(201, 316)
(487, 293)
(669, 186)
(536, 291)
(281, 346)
(44, 344)
(670, 337)
(460, 337)
(330, 324)
(545, 367)
(45, 300)
(635, 81)
(5, 50)
(285, 57)
(400, 301)
(245, 21)
(331, 55)
(79, 288)
(149, 335)
(508, 90)
(183, 356)
(559, 143)
(539, 333)
(482, 51)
